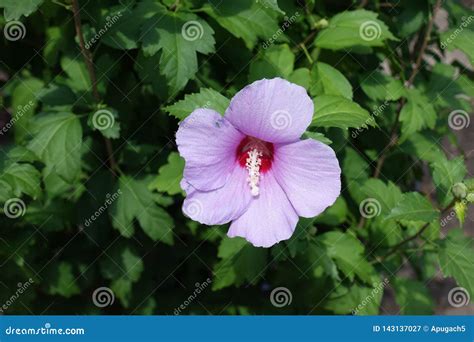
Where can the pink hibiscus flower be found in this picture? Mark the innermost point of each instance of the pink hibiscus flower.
(250, 166)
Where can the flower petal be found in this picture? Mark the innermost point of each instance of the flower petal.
(208, 143)
(270, 217)
(221, 205)
(273, 110)
(309, 173)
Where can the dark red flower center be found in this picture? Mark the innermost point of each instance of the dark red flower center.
(248, 146)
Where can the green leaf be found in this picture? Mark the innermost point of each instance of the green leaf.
(206, 98)
(354, 28)
(248, 20)
(63, 281)
(76, 70)
(302, 77)
(23, 178)
(413, 206)
(381, 87)
(348, 253)
(459, 38)
(169, 175)
(418, 113)
(136, 202)
(240, 262)
(329, 81)
(317, 136)
(24, 103)
(387, 195)
(446, 173)
(124, 30)
(276, 61)
(179, 36)
(413, 297)
(273, 4)
(15, 9)
(455, 258)
(57, 141)
(337, 111)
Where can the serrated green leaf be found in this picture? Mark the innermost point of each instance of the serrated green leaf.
(446, 173)
(63, 281)
(15, 9)
(276, 61)
(23, 179)
(413, 207)
(206, 98)
(418, 113)
(57, 141)
(337, 111)
(413, 298)
(459, 38)
(327, 80)
(169, 175)
(354, 28)
(379, 87)
(455, 258)
(136, 202)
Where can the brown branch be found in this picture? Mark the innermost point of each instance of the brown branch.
(90, 69)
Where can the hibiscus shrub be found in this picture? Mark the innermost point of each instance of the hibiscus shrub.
(106, 104)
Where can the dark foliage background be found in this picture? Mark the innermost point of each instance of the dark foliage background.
(92, 93)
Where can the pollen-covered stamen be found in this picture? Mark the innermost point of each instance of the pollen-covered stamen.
(253, 163)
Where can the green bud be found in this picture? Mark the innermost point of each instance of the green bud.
(459, 190)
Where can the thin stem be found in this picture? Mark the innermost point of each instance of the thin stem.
(90, 69)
